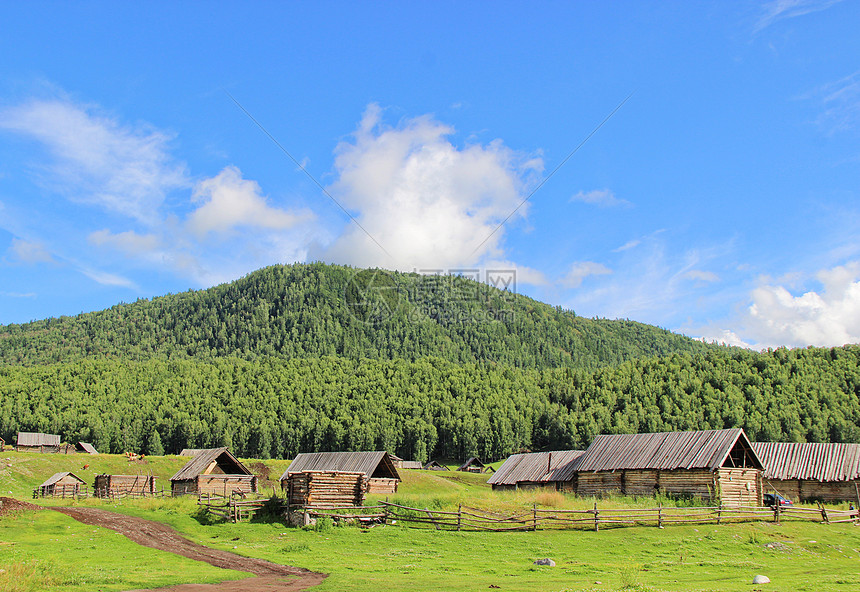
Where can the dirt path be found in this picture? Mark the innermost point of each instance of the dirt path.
(271, 577)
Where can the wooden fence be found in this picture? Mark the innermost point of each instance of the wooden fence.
(596, 518)
(234, 507)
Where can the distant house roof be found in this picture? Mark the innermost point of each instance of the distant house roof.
(88, 448)
(36, 439)
(57, 476)
(819, 462)
(435, 464)
(201, 462)
(473, 462)
(707, 449)
(537, 467)
(411, 464)
(372, 464)
(190, 451)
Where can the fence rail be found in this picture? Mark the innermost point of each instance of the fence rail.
(234, 507)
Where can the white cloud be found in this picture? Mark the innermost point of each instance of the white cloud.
(627, 246)
(783, 9)
(828, 317)
(30, 252)
(426, 201)
(99, 161)
(701, 276)
(107, 279)
(229, 201)
(128, 242)
(600, 197)
(841, 102)
(581, 270)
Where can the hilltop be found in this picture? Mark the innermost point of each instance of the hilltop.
(313, 310)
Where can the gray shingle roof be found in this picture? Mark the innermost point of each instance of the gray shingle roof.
(819, 462)
(350, 462)
(707, 449)
(537, 467)
(37, 439)
(201, 461)
(57, 476)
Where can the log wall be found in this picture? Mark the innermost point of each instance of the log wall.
(381, 485)
(739, 487)
(109, 485)
(226, 484)
(326, 488)
(806, 490)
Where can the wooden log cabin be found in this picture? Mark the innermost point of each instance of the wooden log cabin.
(474, 465)
(37, 442)
(213, 471)
(377, 467)
(124, 485)
(538, 470)
(62, 485)
(325, 488)
(809, 471)
(714, 465)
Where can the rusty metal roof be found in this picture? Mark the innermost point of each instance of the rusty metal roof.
(706, 449)
(537, 467)
(36, 439)
(205, 457)
(370, 463)
(820, 462)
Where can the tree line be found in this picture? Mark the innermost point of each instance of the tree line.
(430, 407)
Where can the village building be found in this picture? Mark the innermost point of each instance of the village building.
(810, 471)
(714, 465)
(473, 465)
(124, 485)
(85, 448)
(435, 465)
(62, 485)
(190, 451)
(399, 463)
(533, 470)
(37, 442)
(377, 467)
(213, 471)
(325, 488)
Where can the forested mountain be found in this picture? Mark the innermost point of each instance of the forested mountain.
(313, 310)
(429, 407)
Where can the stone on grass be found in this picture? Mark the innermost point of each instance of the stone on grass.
(761, 580)
(548, 562)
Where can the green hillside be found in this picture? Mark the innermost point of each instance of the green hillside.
(308, 311)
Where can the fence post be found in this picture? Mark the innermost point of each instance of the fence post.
(596, 523)
(660, 516)
(776, 512)
(534, 516)
(459, 516)
(720, 513)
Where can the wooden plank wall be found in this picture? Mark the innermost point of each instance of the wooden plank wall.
(806, 490)
(739, 487)
(226, 484)
(381, 485)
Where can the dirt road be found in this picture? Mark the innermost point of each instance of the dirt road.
(271, 577)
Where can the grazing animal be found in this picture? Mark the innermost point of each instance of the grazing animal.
(85, 467)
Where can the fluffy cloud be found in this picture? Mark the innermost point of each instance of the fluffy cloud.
(581, 270)
(97, 160)
(229, 201)
(30, 252)
(600, 197)
(829, 317)
(128, 242)
(427, 202)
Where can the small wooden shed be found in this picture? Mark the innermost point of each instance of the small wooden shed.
(537, 470)
(124, 485)
(213, 471)
(435, 465)
(325, 488)
(380, 472)
(473, 465)
(711, 464)
(62, 485)
(190, 451)
(37, 442)
(811, 471)
(85, 448)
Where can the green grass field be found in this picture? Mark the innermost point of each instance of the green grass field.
(60, 554)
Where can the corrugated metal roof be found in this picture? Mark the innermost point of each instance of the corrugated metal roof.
(205, 457)
(706, 449)
(36, 439)
(57, 476)
(349, 462)
(807, 460)
(537, 467)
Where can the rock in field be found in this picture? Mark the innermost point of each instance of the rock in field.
(548, 562)
(761, 580)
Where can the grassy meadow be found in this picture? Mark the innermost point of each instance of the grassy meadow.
(48, 551)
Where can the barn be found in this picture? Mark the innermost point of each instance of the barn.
(213, 471)
(61, 485)
(380, 472)
(124, 485)
(811, 471)
(38, 442)
(533, 470)
(711, 464)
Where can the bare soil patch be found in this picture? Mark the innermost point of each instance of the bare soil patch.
(271, 577)
(9, 505)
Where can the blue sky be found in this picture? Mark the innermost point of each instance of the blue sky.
(720, 200)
